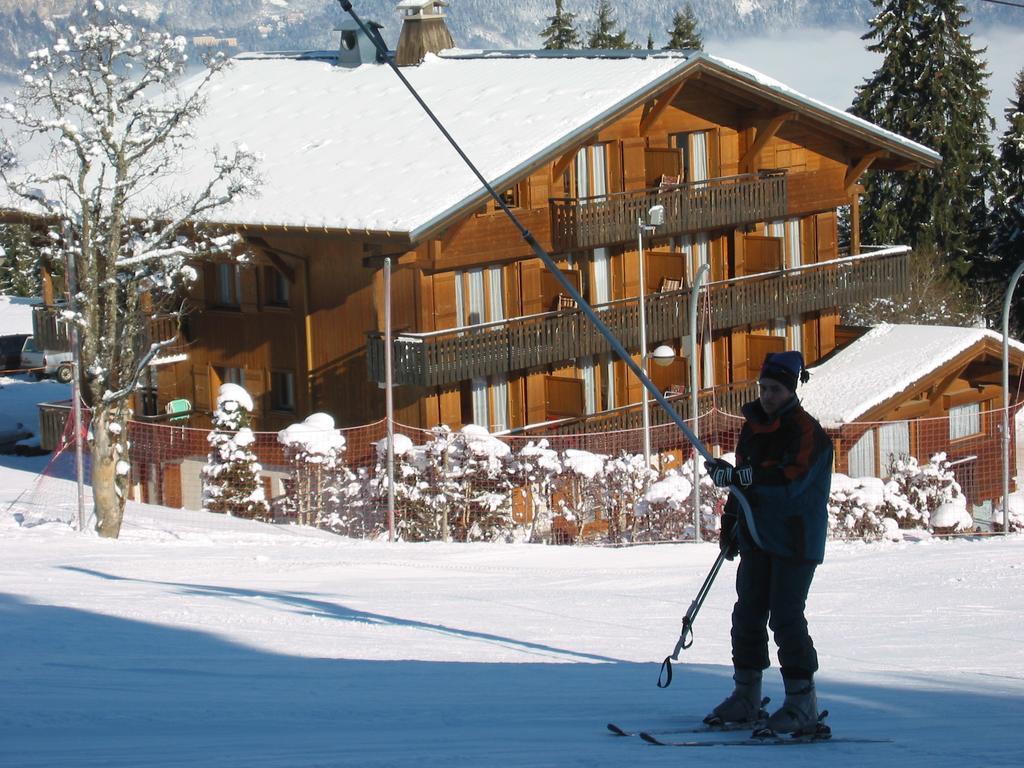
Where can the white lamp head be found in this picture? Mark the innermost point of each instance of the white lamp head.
(656, 215)
(663, 355)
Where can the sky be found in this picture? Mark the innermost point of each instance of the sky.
(829, 64)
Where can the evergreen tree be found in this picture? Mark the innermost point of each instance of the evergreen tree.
(1008, 204)
(684, 34)
(650, 42)
(560, 33)
(231, 476)
(930, 88)
(18, 274)
(605, 33)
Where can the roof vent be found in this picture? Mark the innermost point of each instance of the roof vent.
(423, 31)
(356, 48)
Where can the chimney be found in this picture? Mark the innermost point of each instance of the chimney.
(423, 31)
(356, 48)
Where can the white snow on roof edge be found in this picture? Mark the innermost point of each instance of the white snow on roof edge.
(878, 366)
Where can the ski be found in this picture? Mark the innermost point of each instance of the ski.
(723, 728)
(764, 741)
(710, 725)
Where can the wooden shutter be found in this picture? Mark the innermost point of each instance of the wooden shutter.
(249, 283)
(662, 162)
(551, 289)
(256, 386)
(761, 254)
(444, 301)
(828, 236)
(201, 387)
(758, 348)
(563, 396)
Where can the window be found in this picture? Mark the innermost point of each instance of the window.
(277, 287)
(226, 375)
(587, 176)
(282, 391)
(480, 298)
(229, 285)
(893, 442)
(964, 421)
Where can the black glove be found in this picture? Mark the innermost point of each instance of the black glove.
(724, 474)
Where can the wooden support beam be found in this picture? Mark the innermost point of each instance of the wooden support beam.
(662, 103)
(274, 256)
(565, 160)
(857, 169)
(764, 134)
(940, 387)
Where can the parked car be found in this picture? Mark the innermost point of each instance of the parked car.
(46, 362)
(10, 350)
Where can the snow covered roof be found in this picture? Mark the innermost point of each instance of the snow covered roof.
(882, 364)
(348, 148)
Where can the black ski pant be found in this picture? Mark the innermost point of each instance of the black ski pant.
(772, 591)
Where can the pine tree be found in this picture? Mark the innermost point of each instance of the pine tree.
(930, 88)
(231, 476)
(1008, 204)
(604, 33)
(684, 35)
(650, 41)
(561, 33)
(18, 273)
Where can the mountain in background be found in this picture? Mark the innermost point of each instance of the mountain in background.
(26, 25)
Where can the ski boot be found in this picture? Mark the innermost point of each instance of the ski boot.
(798, 714)
(744, 704)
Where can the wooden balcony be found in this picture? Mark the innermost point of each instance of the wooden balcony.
(51, 333)
(725, 202)
(520, 343)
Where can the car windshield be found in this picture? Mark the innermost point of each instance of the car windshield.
(30, 345)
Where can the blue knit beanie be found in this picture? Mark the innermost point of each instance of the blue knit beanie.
(785, 367)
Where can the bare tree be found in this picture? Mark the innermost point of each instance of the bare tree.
(105, 99)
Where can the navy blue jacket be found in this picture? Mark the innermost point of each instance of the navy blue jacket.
(792, 460)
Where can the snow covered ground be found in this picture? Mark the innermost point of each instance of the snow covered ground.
(201, 640)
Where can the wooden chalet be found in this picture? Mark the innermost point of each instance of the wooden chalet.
(916, 390)
(581, 144)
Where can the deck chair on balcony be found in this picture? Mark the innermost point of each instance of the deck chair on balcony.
(670, 284)
(668, 182)
(564, 302)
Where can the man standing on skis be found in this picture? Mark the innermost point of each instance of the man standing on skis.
(784, 469)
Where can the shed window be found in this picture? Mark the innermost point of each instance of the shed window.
(964, 421)
(282, 391)
(229, 285)
(862, 456)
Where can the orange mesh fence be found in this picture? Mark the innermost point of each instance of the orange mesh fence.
(588, 487)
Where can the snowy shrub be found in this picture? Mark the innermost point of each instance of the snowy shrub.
(323, 491)
(231, 476)
(625, 479)
(923, 487)
(414, 519)
(487, 481)
(665, 513)
(580, 494)
(854, 508)
(1015, 514)
(535, 470)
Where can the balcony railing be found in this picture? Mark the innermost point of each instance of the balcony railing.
(728, 201)
(448, 356)
(51, 332)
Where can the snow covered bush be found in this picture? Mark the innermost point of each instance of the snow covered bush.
(1015, 516)
(323, 492)
(854, 508)
(581, 493)
(924, 488)
(625, 478)
(487, 483)
(413, 521)
(665, 513)
(231, 476)
(535, 471)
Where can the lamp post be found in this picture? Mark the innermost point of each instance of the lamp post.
(389, 401)
(694, 295)
(655, 218)
(1006, 397)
